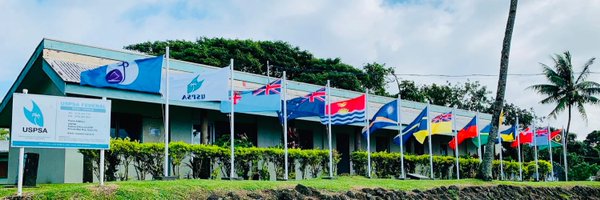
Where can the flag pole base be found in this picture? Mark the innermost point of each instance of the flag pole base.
(328, 177)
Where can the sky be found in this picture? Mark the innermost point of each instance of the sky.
(452, 37)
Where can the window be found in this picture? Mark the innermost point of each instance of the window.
(126, 125)
(244, 131)
(197, 134)
(444, 149)
(382, 143)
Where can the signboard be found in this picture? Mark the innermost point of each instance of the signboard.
(41, 121)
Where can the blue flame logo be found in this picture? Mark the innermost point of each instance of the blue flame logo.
(194, 85)
(34, 115)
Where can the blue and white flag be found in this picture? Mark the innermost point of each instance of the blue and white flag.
(207, 86)
(139, 75)
(386, 116)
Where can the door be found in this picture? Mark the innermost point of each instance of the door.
(343, 147)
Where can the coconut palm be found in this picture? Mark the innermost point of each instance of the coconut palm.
(485, 171)
(565, 89)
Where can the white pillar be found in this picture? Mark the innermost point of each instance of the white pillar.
(519, 149)
(454, 116)
(550, 152)
(429, 137)
(399, 106)
(368, 134)
(102, 161)
(537, 174)
(285, 124)
(231, 124)
(328, 106)
(167, 129)
(21, 162)
(478, 136)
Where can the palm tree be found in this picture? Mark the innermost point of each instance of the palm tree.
(485, 172)
(564, 89)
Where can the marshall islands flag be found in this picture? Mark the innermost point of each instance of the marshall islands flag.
(142, 75)
(386, 116)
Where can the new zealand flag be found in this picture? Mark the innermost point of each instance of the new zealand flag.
(312, 104)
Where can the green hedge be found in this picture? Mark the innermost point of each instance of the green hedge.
(250, 162)
(387, 165)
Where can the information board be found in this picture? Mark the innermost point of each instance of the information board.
(41, 121)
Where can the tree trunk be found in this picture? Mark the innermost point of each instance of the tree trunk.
(568, 124)
(485, 172)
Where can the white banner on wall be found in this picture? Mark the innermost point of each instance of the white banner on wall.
(40, 121)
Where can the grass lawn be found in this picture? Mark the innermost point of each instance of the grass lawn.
(186, 189)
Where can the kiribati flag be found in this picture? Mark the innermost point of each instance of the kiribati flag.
(312, 104)
(346, 112)
(386, 116)
(469, 131)
(139, 75)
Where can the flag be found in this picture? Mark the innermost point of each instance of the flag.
(207, 86)
(417, 128)
(312, 104)
(469, 131)
(485, 132)
(263, 99)
(542, 138)
(387, 115)
(508, 134)
(346, 112)
(524, 137)
(269, 89)
(442, 124)
(556, 139)
(142, 75)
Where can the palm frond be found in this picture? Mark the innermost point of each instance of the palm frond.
(586, 70)
(560, 106)
(581, 110)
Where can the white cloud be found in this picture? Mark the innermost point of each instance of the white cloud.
(439, 37)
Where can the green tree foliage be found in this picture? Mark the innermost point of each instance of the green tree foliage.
(4, 134)
(252, 56)
(565, 88)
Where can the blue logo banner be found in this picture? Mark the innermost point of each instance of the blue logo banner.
(139, 75)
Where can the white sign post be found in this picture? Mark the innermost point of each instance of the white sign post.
(40, 121)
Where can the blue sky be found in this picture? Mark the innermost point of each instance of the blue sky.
(424, 37)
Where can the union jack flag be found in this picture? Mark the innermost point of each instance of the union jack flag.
(271, 88)
(442, 118)
(316, 95)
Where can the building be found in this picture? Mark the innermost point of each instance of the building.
(55, 66)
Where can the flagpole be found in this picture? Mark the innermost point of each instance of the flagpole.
(550, 152)
(167, 130)
(478, 136)
(519, 149)
(454, 116)
(501, 148)
(328, 106)
(268, 74)
(430, 151)
(285, 124)
(564, 141)
(399, 106)
(368, 133)
(231, 123)
(537, 175)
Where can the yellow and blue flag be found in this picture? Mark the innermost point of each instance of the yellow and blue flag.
(417, 128)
